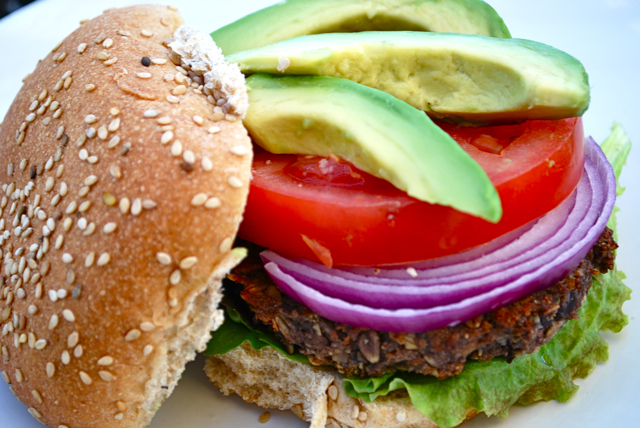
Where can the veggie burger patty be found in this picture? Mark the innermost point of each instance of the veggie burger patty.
(510, 331)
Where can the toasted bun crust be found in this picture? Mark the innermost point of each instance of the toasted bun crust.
(112, 259)
(314, 394)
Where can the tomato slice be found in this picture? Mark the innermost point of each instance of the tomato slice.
(362, 220)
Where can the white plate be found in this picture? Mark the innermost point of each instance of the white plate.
(603, 34)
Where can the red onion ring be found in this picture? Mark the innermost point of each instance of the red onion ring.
(475, 286)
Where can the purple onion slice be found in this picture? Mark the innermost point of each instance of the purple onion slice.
(473, 287)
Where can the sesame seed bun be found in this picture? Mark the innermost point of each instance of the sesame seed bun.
(123, 185)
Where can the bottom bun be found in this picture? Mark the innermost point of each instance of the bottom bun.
(314, 394)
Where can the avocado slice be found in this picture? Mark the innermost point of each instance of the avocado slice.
(293, 18)
(376, 132)
(455, 76)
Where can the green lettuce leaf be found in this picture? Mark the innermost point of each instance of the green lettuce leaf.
(493, 386)
(234, 332)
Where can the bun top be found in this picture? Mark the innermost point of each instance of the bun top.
(124, 177)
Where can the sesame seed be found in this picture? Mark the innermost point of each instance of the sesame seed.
(169, 77)
(165, 120)
(5, 376)
(173, 99)
(73, 339)
(31, 117)
(35, 413)
(207, 164)
(105, 361)
(147, 326)
(86, 379)
(33, 309)
(124, 205)
(132, 335)
(77, 351)
(146, 33)
(115, 171)
(179, 90)
(88, 261)
(148, 349)
(144, 75)
(174, 8)
(90, 180)
(49, 184)
(113, 142)
(165, 21)
(104, 259)
(40, 344)
(59, 242)
(225, 245)
(188, 263)
(136, 207)
(90, 133)
(198, 119)
(163, 258)
(105, 376)
(67, 224)
(107, 43)
(159, 61)
(124, 33)
(234, 182)
(114, 125)
(66, 357)
(199, 199)
(67, 82)
(84, 191)
(90, 118)
(57, 114)
(110, 61)
(50, 369)
(19, 376)
(212, 203)
(103, 133)
(85, 206)
(412, 272)
(166, 137)
(176, 148)
(90, 229)
(119, 416)
(34, 105)
(64, 189)
(53, 322)
(175, 277)
(68, 315)
(82, 47)
(214, 130)
(110, 228)
(239, 150)
(102, 56)
(189, 157)
(67, 258)
(100, 38)
(151, 113)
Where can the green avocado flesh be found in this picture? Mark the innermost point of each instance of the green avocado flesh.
(374, 131)
(293, 18)
(453, 76)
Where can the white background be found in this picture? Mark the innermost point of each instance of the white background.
(603, 34)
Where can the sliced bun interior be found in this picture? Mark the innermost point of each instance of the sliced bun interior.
(314, 394)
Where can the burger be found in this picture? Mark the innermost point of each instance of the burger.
(357, 308)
